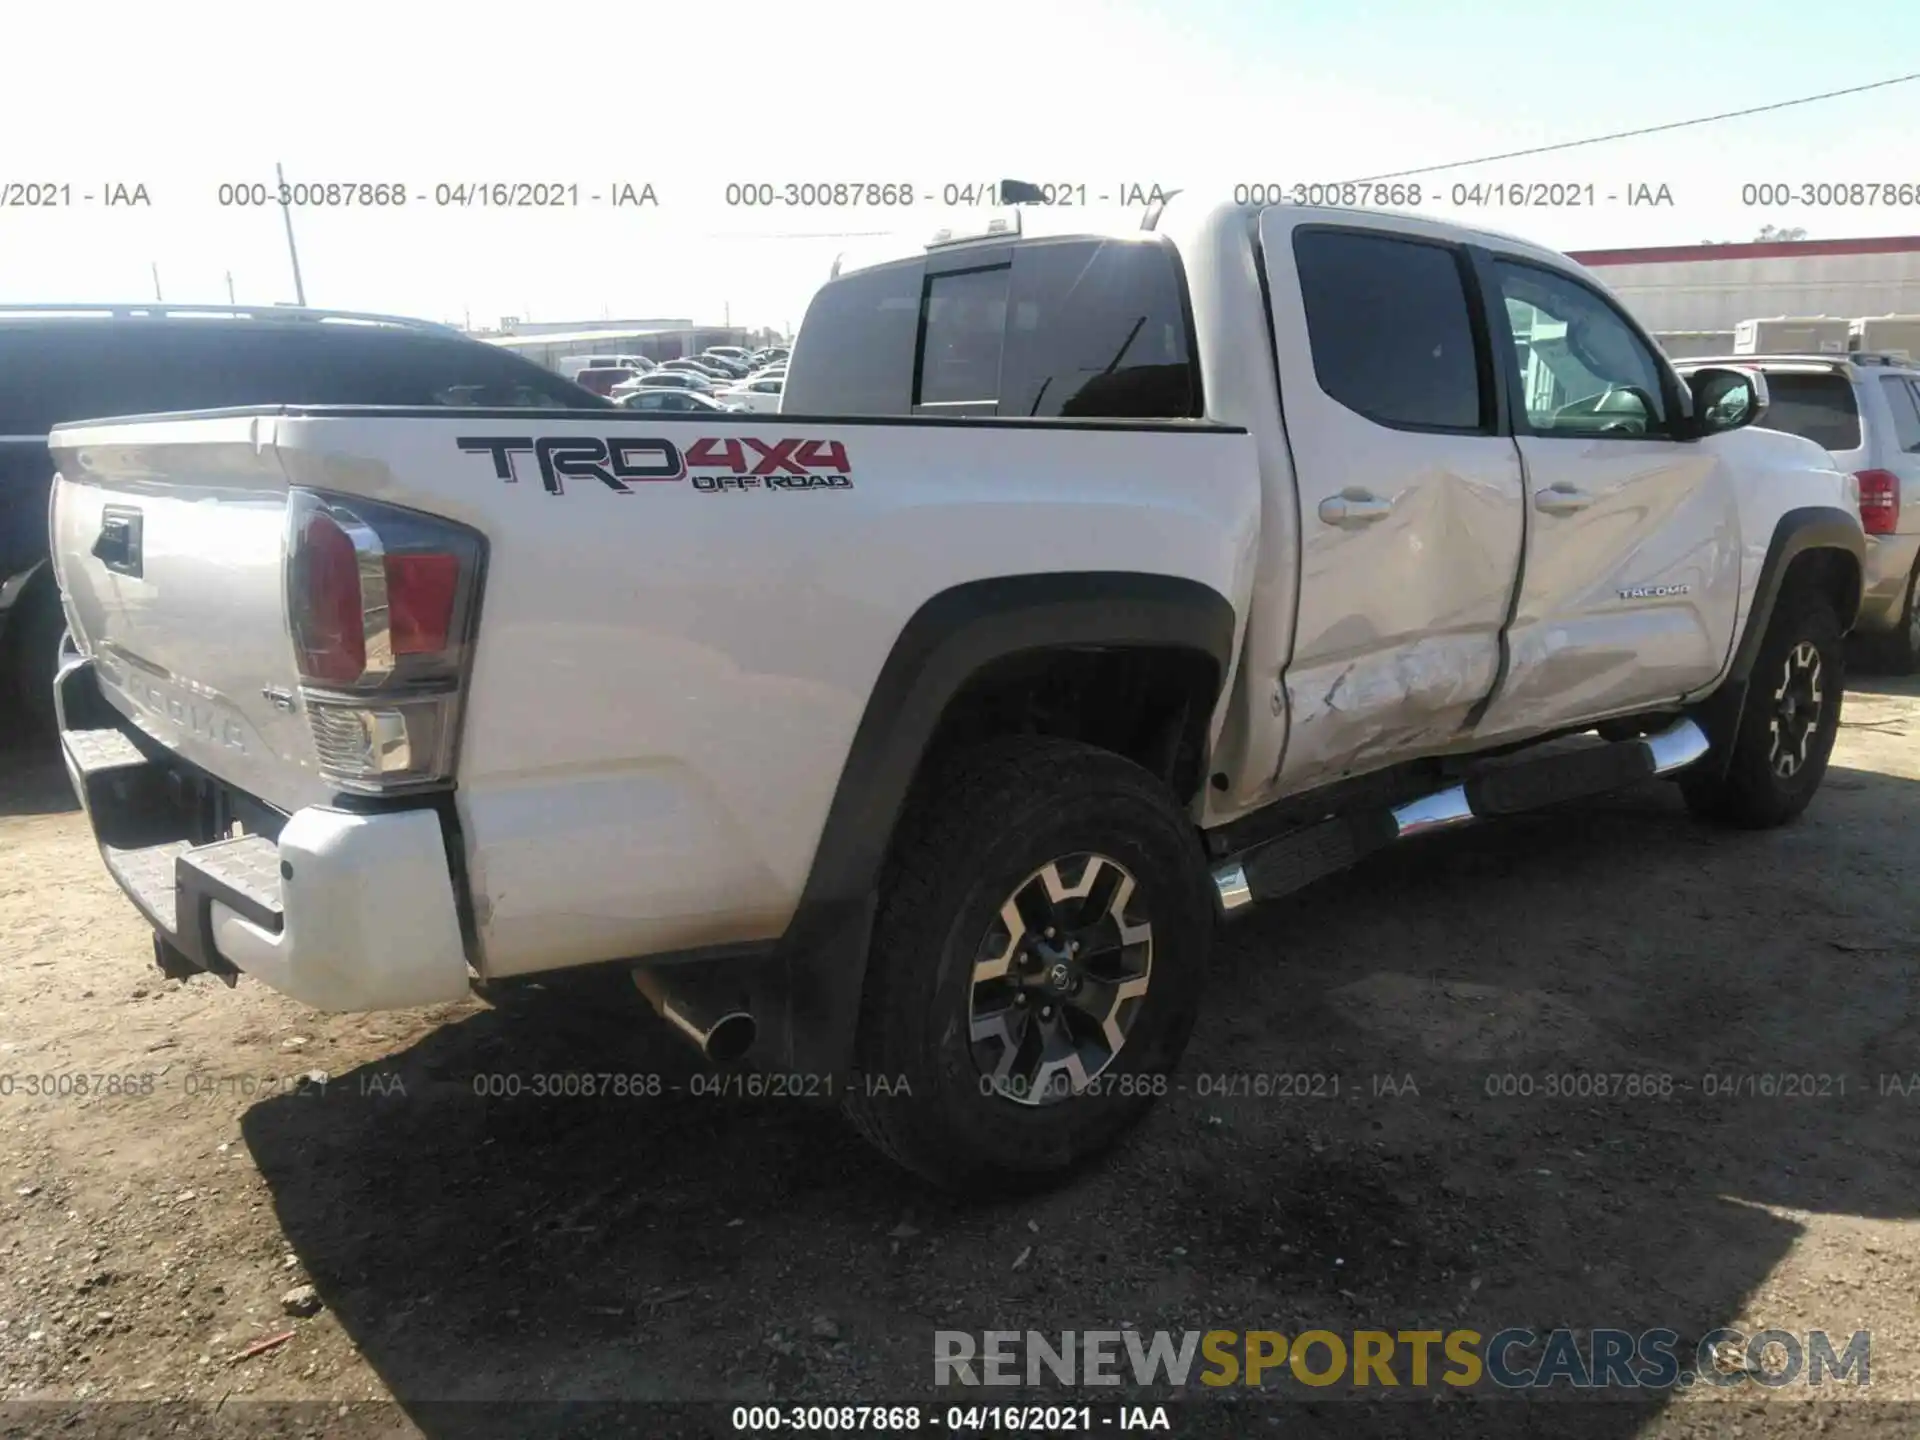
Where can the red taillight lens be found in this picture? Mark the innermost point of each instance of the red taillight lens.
(421, 590)
(323, 601)
(1879, 501)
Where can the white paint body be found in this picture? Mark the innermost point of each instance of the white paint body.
(666, 683)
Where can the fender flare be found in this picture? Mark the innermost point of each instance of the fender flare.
(820, 962)
(1798, 531)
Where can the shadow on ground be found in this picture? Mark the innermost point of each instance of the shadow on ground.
(1418, 1172)
(33, 781)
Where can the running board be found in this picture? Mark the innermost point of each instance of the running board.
(1296, 860)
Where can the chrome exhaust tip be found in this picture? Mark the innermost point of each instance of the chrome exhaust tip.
(720, 1028)
(1231, 888)
(1677, 746)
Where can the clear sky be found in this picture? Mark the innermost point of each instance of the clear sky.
(184, 97)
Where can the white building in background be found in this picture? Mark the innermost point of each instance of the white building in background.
(1710, 289)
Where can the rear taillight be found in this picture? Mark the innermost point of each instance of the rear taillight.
(381, 603)
(1879, 501)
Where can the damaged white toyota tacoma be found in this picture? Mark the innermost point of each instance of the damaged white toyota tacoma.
(1088, 588)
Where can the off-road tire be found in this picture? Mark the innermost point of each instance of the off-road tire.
(983, 821)
(1751, 793)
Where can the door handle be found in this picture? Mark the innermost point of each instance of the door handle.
(1354, 507)
(1561, 500)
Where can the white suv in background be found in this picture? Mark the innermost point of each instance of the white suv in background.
(1865, 410)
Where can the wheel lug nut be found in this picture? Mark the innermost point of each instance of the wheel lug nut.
(1046, 1012)
(1050, 932)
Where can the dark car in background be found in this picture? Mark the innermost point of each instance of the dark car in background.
(64, 363)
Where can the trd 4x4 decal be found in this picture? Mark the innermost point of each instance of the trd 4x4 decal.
(775, 465)
(620, 462)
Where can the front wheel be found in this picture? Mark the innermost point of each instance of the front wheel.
(1036, 967)
(1786, 729)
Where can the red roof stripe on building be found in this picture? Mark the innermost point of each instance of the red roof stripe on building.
(1762, 250)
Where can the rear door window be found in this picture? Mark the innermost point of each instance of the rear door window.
(1390, 330)
(1820, 408)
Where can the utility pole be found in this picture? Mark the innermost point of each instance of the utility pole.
(229, 287)
(156, 280)
(286, 214)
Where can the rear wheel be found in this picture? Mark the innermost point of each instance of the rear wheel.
(1037, 964)
(1786, 731)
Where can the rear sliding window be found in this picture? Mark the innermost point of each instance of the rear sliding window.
(1077, 328)
(92, 370)
(1820, 408)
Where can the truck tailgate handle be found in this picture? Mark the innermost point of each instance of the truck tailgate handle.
(1353, 507)
(118, 546)
(1561, 499)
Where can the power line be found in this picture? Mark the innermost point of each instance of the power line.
(1644, 130)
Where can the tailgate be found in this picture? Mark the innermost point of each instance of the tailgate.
(167, 539)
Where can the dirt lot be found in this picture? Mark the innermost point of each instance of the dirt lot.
(465, 1249)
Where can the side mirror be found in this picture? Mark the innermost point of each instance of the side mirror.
(1725, 398)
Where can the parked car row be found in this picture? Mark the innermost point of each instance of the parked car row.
(728, 376)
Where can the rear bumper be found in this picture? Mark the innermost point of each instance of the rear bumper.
(339, 910)
(1883, 588)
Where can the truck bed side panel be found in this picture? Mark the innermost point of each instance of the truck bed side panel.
(669, 672)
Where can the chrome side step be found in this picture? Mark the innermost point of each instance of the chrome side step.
(1293, 861)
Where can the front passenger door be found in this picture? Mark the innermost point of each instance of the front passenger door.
(1632, 570)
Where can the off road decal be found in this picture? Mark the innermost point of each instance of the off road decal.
(747, 463)
(713, 465)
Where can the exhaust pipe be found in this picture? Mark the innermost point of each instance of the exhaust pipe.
(719, 1025)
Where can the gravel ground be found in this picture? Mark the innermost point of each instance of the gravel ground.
(429, 1246)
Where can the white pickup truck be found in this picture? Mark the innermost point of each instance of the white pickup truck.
(911, 742)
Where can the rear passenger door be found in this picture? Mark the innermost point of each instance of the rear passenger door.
(1410, 497)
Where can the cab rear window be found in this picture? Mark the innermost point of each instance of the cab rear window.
(1078, 328)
